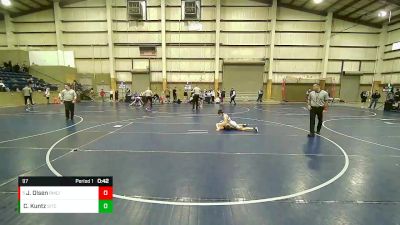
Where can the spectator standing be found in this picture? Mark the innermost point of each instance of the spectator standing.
(374, 99)
(168, 94)
(174, 95)
(233, 96)
(260, 95)
(111, 95)
(102, 94)
(364, 97)
(27, 92)
(47, 94)
(116, 95)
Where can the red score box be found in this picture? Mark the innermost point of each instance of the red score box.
(105, 192)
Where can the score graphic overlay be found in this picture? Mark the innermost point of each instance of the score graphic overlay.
(65, 194)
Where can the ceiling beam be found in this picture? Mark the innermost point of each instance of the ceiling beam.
(348, 5)
(368, 4)
(289, 6)
(38, 3)
(285, 5)
(394, 2)
(371, 12)
(67, 2)
(31, 11)
(304, 3)
(24, 4)
(332, 5)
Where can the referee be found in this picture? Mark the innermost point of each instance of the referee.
(68, 97)
(317, 102)
(196, 96)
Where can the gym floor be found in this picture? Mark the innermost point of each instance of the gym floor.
(171, 167)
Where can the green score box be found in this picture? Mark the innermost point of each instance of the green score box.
(105, 206)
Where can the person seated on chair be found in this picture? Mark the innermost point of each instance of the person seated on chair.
(228, 124)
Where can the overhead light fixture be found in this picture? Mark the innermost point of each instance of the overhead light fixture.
(382, 13)
(6, 2)
(318, 1)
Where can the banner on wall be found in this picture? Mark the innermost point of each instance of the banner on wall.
(52, 58)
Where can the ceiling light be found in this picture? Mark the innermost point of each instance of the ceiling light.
(382, 13)
(318, 1)
(6, 2)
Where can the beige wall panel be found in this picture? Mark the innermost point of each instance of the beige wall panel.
(130, 51)
(190, 37)
(141, 64)
(83, 14)
(89, 3)
(391, 65)
(394, 26)
(300, 26)
(392, 54)
(299, 39)
(190, 52)
(190, 65)
(87, 39)
(245, 13)
(368, 67)
(290, 14)
(3, 39)
(297, 66)
(352, 39)
(245, 26)
(351, 66)
(366, 79)
(393, 37)
(340, 25)
(3, 26)
(136, 26)
(36, 39)
(184, 26)
(393, 78)
(30, 27)
(45, 15)
(175, 13)
(242, 2)
(90, 66)
(352, 53)
(156, 65)
(153, 13)
(191, 77)
(334, 66)
(124, 76)
(85, 26)
(89, 51)
(244, 38)
(229, 52)
(298, 52)
(137, 38)
(123, 64)
(121, 13)
(156, 77)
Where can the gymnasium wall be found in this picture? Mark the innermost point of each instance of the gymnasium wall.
(3, 36)
(16, 56)
(54, 74)
(245, 33)
(391, 60)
